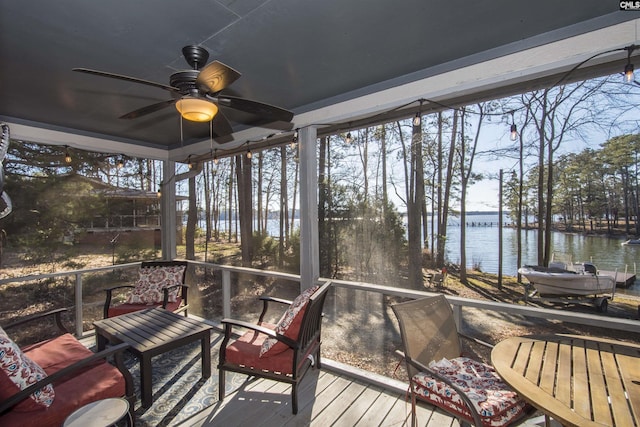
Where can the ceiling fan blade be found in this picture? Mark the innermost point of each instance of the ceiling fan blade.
(126, 78)
(148, 109)
(261, 109)
(221, 125)
(215, 76)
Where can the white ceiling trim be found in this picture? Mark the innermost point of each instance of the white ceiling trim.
(83, 142)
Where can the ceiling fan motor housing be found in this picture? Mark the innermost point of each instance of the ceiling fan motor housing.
(196, 56)
(185, 81)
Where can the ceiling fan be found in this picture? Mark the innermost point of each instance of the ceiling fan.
(196, 93)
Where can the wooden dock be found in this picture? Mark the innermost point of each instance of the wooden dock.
(623, 280)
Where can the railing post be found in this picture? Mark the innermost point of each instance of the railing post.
(78, 291)
(226, 294)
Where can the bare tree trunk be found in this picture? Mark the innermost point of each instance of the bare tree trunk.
(283, 205)
(323, 205)
(363, 150)
(549, 204)
(414, 210)
(520, 201)
(439, 247)
(383, 149)
(245, 208)
(434, 215)
(260, 213)
(541, 204)
(207, 184)
(192, 218)
(442, 227)
(463, 199)
(626, 207)
(294, 199)
(405, 161)
(217, 203)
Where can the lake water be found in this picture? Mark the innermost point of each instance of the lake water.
(482, 247)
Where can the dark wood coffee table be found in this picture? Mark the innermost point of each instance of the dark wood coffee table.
(151, 332)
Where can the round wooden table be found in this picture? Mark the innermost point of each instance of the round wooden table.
(101, 413)
(577, 380)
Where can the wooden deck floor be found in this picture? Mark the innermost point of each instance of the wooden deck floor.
(326, 399)
(336, 395)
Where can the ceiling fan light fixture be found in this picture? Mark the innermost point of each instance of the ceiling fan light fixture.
(196, 109)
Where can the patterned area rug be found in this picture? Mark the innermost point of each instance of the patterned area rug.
(179, 391)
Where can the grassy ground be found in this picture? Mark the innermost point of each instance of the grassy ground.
(485, 286)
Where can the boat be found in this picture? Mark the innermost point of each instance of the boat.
(563, 278)
(631, 242)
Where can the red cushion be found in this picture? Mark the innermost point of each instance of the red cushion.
(98, 381)
(289, 324)
(117, 310)
(245, 351)
(58, 353)
(497, 404)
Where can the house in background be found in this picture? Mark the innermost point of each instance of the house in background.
(131, 216)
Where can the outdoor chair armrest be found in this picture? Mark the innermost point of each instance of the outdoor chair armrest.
(165, 293)
(265, 305)
(56, 316)
(109, 290)
(268, 299)
(116, 351)
(107, 302)
(421, 367)
(230, 323)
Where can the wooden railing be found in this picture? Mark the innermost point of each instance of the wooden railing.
(459, 304)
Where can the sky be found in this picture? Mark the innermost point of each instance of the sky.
(484, 195)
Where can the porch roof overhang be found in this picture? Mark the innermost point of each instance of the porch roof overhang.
(335, 64)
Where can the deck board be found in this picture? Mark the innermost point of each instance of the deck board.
(360, 407)
(326, 399)
(379, 409)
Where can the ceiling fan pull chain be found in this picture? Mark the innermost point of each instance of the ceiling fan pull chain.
(181, 136)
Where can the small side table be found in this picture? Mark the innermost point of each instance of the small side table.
(102, 413)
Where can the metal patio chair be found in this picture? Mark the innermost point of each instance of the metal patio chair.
(295, 348)
(438, 374)
(173, 297)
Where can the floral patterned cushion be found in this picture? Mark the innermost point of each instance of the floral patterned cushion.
(17, 372)
(289, 324)
(152, 281)
(496, 403)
